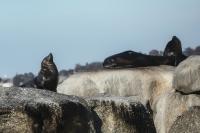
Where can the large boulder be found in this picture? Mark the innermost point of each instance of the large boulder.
(26, 110)
(121, 115)
(147, 82)
(172, 110)
(187, 75)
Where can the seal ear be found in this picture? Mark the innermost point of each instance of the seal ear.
(49, 57)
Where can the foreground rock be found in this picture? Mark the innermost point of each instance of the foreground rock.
(173, 111)
(187, 75)
(188, 122)
(148, 83)
(33, 110)
(26, 110)
(116, 101)
(121, 115)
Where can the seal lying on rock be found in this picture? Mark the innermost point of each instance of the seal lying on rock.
(47, 77)
(131, 59)
(173, 55)
(174, 48)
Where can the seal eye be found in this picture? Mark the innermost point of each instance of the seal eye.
(112, 60)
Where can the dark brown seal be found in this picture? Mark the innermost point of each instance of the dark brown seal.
(48, 75)
(131, 59)
(174, 48)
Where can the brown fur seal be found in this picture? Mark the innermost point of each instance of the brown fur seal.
(131, 59)
(174, 48)
(48, 75)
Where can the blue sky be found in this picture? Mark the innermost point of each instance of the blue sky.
(80, 31)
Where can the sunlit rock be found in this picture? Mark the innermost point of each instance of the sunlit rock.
(187, 75)
(148, 82)
(188, 122)
(170, 107)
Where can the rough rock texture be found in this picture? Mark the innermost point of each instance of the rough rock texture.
(26, 110)
(188, 122)
(140, 100)
(148, 82)
(121, 115)
(187, 75)
(33, 110)
(170, 107)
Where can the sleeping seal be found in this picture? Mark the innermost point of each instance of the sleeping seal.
(131, 59)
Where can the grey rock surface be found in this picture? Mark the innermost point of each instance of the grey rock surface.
(188, 122)
(187, 75)
(26, 110)
(170, 107)
(121, 115)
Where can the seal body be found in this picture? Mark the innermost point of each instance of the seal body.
(48, 75)
(174, 48)
(131, 59)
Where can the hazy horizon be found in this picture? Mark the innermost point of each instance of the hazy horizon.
(87, 31)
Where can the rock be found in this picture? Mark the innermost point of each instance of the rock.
(147, 82)
(121, 115)
(32, 110)
(170, 107)
(6, 84)
(188, 122)
(187, 75)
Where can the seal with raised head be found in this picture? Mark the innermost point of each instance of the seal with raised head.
(48, 75)
(174, 48)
